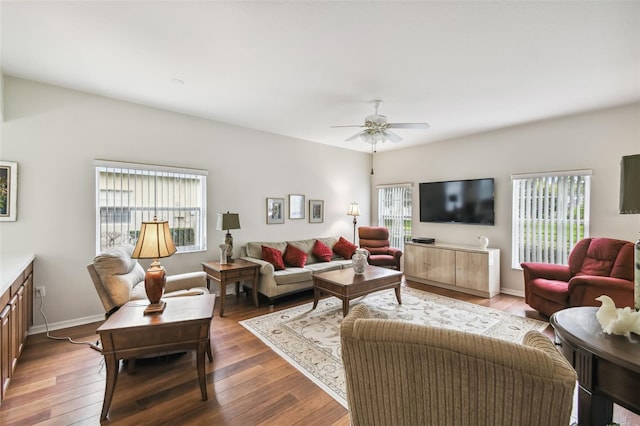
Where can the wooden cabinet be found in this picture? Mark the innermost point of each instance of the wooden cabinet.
(16, 316)
(456, 267)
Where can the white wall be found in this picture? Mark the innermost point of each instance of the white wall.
(595, 140)
(55, 134)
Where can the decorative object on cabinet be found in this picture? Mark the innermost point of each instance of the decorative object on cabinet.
(226, 222)
(483, 242)
(354, 210)
(275, 210)
(630, 204)
(316, 211)
(296, 206)
(8, 190)
(155, 242)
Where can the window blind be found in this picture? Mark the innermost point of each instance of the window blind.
(550, 215)
(394, 212)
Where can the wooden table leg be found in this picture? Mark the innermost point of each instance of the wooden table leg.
(254, 288)
(316, 296)
(223, 295)
(112, 377)
(345, 307)
(398, 297)
(202, 377)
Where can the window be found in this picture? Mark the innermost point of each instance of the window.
(394, 212)
(550, 215)
(128, 194)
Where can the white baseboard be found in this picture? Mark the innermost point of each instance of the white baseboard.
(512, 292)
(42, 328)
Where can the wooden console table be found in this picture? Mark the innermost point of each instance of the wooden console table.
(128, 333)
(239, 270)
(608, 366)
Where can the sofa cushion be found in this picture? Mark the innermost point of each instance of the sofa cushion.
(292, 275)
(293, 256)
(273, 256)
(344, 248)
(321, 251)
(323, 266)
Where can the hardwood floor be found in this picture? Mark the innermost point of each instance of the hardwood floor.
(59, 383)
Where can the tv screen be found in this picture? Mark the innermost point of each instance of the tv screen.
(458, 201)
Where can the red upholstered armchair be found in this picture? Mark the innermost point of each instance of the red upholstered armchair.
(597, 266)
(376, 241)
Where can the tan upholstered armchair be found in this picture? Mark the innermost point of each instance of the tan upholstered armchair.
(399, 373)
(118, 278)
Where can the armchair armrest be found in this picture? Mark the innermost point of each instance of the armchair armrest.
(186, 281)
(583, 290)
(548, 271)
(562, 370)
(396, 253)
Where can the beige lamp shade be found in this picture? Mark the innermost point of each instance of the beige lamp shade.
(354, 209)
(154, 241)
(228, 221)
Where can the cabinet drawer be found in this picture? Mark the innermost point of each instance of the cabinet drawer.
(240, 275)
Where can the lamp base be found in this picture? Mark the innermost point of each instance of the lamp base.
(155, 308)
(228, 240)
(154, 282)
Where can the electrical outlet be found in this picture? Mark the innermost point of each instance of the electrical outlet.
(40, 291)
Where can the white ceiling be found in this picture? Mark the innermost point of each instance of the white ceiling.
(296, 68)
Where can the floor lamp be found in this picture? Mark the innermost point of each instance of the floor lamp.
(354, 210)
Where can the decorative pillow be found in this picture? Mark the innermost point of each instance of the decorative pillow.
(321, 251)
(273, 256)
(344, 248)
(293, 256)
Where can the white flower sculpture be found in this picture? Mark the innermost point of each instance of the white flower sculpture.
(621, 321)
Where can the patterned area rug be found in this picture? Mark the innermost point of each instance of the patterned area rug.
(310, 339)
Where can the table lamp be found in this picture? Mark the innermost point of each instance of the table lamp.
(154, 242)
(630, 204)
(354, 210)
(227, 221)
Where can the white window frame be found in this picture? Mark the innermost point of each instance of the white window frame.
(138, 192)
(394, 216)
(544, 228)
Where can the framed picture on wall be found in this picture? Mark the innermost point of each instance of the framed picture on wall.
(275, 210)
(296, 206)
(8, 190)
(316, 211)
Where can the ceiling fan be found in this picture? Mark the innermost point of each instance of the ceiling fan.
(376, 128)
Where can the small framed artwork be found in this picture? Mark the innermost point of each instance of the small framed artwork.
(296, 206)
(275, 210)
(8, 190)
(316, 211)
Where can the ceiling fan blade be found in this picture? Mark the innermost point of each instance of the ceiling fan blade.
(357, 135)
(408, 125)
(349, 125)
(392, 136)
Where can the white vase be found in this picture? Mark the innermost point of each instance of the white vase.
(359, 261)
(223, 253)
(483, 241)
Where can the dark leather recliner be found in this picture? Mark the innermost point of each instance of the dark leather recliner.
(597, 266)
(376, 241)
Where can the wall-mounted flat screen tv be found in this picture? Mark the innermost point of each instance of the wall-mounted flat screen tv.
(458, 201)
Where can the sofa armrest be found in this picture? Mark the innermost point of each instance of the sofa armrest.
(266, 268)
(186, 281)
(548, 271)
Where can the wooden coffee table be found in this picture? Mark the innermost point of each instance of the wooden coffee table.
(128, 333)
(345, 284)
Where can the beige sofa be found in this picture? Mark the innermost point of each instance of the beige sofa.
(274, 284)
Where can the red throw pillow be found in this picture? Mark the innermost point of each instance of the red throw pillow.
(293, 256)
(273, 256)
(344, 248)
(321, 251)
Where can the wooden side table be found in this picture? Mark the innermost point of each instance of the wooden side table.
(128, 333)
(239, 270)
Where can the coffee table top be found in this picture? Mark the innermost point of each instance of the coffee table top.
(179, 309)
(347, 276)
